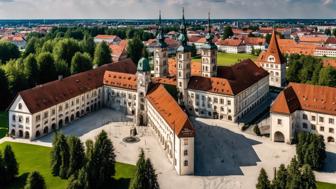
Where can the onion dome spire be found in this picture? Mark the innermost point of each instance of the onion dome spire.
(209, 36)
(160, 36)
(183, 38)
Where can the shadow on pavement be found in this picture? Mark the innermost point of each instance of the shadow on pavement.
(221, 152)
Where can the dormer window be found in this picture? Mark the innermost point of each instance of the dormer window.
(271, 59)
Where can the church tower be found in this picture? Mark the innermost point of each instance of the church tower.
(143, 80)
(209, 54)
(183, 63)
(160, 53)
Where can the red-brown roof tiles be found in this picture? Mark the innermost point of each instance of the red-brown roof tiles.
(307, 97)
(171, 112)
(55, 92)
(120, 80)
(273, 50)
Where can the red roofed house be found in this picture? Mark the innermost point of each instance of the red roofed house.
(304, 107)
(273, 61)
(119, 51)
(17, 40)
(231, 46)
(109, 39)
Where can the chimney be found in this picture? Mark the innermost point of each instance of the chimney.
(60, 77)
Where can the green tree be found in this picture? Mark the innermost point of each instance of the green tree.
(80, 62)
(310, 150)
(47, 67)
(263, 182)
(77, 155)
(134, 49)
(31, 70)
(32, 46)
(65, 49)
(11, 165)
(89, 149)
(294, 175)
(4, 88)
(334, 32)
(88, 45)
(268, 38)
(56, 158)
(151, 175)
(62, 68)
(327, 32)
(16, 78)
(65, 156)
(140, 180)
(308, 177)
(8, 51)
(2, 170)
(35, 181)
(327, 77)
(227, 32)
(101, 166)
(48, 46)
(193, 50)
(102, 54)
(281, 178)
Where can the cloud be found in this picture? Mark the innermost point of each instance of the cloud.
(171, 8)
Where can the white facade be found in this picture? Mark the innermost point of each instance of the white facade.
(231, 49)
(328, 52)
(248, 48)
(283, 126)
(277, 72)
(24, 124)
(180, 151)
(226, 107)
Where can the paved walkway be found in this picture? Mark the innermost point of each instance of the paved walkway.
(225, 157)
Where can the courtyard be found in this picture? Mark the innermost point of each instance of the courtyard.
(224, 156)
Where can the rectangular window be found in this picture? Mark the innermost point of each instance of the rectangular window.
(331, 120)
(229, 102)
(186, 163)
(313, 127)
(331, 130)
(27, 120)
(279, 122)
(185, 153)
(13, 117)
(313, 118)
(322, 128)
(185, 141)
(304, 116)
(321, 119)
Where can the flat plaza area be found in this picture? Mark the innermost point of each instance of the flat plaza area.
(224, 156)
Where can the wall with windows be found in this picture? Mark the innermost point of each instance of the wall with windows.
(120, 99)
(181, 155)
(225, 107)
(54, 117)
(277, 77)
(282, 128)
(306, 121)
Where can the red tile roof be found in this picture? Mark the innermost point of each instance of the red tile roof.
(118, 50)
(55, 92)
(273, 50)
(230, 80)
(120, 80)
(106, 37)
(171, 112)
(307, 97)
(230, 42)
(329, 62)
(254, 41)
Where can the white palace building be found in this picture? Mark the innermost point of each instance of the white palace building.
(201, 89)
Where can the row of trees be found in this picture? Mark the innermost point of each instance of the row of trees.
(292, 177)
(92, 168)
(310, 149)
(44, 61)
(308, 69)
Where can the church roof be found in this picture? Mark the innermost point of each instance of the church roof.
(170, 111)
(274, 50)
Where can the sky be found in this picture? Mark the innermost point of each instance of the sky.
(136, 9)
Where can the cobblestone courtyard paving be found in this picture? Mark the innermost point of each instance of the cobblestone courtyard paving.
(225, 158)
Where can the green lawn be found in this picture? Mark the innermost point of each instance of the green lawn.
(32, 157)
(3, 124)
(226, 59)
(323, 185)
